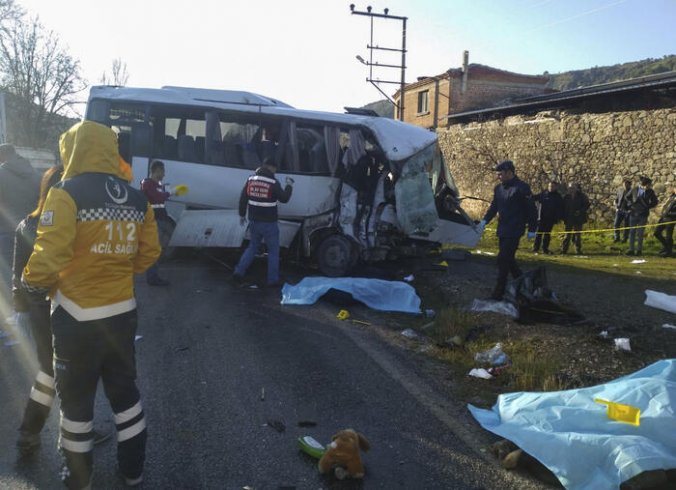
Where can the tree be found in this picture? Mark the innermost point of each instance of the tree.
(9, 12)
(119, 75)
(43, 78)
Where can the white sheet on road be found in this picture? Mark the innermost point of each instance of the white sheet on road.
(374, 293)
(572, 435)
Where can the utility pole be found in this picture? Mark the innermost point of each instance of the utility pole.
(370, 63)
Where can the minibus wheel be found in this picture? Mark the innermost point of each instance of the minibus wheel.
(336, 255)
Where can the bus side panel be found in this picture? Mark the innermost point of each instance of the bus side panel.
(208, 228)
(211, 186)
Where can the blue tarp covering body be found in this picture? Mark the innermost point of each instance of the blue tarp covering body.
(374, 293)
(572, 435)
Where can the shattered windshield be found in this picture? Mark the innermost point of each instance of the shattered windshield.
(416, 210)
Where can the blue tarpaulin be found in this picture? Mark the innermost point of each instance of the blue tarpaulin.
(374, 293)
(572, 435)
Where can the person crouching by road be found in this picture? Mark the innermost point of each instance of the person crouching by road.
(512, 201)
(550, 212)
(575, 207)
(95, 232)
(259, 197)
(665, 232)
(640, 201)
(156, 194)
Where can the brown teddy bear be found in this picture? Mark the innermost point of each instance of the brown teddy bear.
(343, 454)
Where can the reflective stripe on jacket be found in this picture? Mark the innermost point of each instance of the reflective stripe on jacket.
(260, 195)
(95, 232)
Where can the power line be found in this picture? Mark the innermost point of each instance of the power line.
(577, 16)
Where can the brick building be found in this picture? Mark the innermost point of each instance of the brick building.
(428, 101)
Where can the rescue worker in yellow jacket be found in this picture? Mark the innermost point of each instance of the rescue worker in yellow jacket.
(95, 232)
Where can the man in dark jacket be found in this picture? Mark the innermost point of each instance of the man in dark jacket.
(575, 207)
(640, 201)
(19, 189)
(259, 196)
(550, 212)
(666, 225)
(512, 201)
(621, 211)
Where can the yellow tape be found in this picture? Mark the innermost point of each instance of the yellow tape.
(604, 230)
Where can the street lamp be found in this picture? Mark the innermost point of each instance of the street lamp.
(371, 63)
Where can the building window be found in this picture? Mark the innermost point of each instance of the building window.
(423, 102)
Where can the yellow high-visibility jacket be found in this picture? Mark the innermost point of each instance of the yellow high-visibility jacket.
(95, 232)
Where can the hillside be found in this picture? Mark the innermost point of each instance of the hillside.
(604, 74)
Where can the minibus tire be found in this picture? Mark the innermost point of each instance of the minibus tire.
(336, 255)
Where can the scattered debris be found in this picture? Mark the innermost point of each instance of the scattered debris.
(480, 373)
(278, 425)
(410, 333)
(494, 356)
(409, 278)
(498, 370)
(502, 307)
(660, 300)
(668, 325)
(639, 261)
(622, 344)
(311, 446)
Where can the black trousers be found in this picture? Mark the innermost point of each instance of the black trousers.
(543, 236)
(665, 234)
(43, 391)
(506, 263)
(575, 237)
(85, 352)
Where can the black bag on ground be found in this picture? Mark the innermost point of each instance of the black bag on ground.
(536, 302)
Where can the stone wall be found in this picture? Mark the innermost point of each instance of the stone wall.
(596, 150)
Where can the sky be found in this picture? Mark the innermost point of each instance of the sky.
(303, 52)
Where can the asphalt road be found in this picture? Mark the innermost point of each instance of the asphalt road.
(217, 364)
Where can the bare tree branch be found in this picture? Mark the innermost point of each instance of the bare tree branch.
(36, 68)
(119, 76)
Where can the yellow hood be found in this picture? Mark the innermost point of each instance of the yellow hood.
(89, 147)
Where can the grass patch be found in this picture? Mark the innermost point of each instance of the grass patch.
(599, 253)
(452, 323)
(530, 371)
(460, 332)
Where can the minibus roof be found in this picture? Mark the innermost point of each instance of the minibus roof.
(397, 139)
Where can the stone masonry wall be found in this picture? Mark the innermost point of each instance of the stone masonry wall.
(595, 150)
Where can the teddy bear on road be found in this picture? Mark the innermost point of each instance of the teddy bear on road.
(343, 454)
